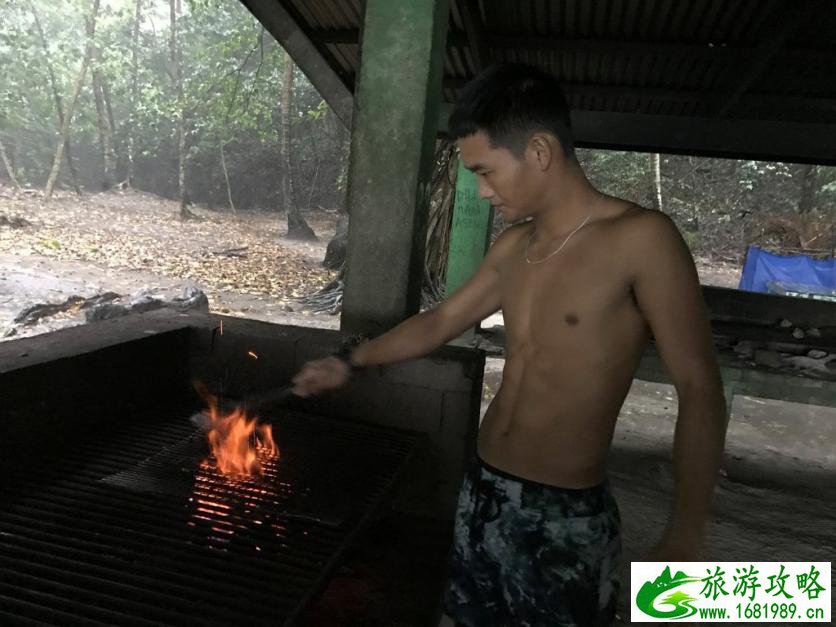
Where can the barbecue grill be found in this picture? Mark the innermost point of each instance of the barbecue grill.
(114, 512)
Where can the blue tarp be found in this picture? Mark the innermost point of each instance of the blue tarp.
(769, 273)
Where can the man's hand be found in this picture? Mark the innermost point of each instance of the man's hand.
(321, 375)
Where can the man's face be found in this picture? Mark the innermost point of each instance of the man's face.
(507, 181)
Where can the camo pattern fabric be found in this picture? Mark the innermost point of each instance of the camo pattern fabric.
(530, 554)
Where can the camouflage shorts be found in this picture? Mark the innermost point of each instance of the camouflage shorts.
(526, 553)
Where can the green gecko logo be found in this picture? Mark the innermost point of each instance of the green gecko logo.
(680, 601)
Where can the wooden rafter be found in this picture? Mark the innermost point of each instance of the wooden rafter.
(477, 40)
(662, 94)
(458, 38)
(702, 136)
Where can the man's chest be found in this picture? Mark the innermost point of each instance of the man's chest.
(576, 294)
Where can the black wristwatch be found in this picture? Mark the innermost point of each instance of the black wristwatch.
(344, 354)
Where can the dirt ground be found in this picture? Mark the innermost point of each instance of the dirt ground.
(126, 242)
(776, 495)
(129, 241)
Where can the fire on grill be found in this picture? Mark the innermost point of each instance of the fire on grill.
(240, 445)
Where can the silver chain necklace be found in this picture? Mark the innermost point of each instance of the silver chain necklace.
(568, 237)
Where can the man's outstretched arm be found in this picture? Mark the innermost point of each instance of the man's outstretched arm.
(420, 334)
(668, 292)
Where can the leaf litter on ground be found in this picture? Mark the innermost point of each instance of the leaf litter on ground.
(139, 231)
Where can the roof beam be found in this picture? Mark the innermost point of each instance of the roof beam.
(345, 36)
(717, 137)
(474, 29)
(282, 25)
(807, 103)
(609, 46)
(350, 36)
(700, 136)
(779, 28)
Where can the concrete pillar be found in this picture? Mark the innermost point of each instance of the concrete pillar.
(471, 231)
(396, 104)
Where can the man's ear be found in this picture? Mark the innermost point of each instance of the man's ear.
(542, 150)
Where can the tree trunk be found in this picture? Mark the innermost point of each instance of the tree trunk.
(226, 178)
(134, 91)
(108, 107)
(103, 123)
(9, 167)
(656, 166)
(806, 200)
(297, 228)
(68, 114)
(335, 253)
(59, 106)
(337, 248)
(177, 76)
(112, 124)
(13, 155)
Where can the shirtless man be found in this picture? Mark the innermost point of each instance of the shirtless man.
(583, 281)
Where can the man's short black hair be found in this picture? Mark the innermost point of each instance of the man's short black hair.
(509, 103)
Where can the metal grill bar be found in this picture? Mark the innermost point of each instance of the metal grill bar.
(77, 547)
(7, 618)
(54, 597)
(18, 612)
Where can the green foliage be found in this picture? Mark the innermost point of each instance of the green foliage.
(232, 72)
(720, 205)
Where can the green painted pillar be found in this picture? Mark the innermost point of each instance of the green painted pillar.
(731, 378)
(471, 230)
(396, 103)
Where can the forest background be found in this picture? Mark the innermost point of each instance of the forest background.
(193, 101)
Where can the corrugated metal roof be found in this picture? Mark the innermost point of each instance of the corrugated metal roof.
(673, 57)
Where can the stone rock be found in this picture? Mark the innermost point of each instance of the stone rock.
(745, 349)
(192, 299)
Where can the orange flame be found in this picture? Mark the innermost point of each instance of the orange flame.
(239, 444)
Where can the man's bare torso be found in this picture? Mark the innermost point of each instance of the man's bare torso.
(574, 337)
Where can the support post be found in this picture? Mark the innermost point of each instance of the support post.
(470, 234)
(390, 166)
(732, 377)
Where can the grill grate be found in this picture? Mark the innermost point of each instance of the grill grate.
(129, 528)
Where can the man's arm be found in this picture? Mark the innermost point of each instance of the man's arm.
(422, 333)
(478, 298)
(668, 292)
